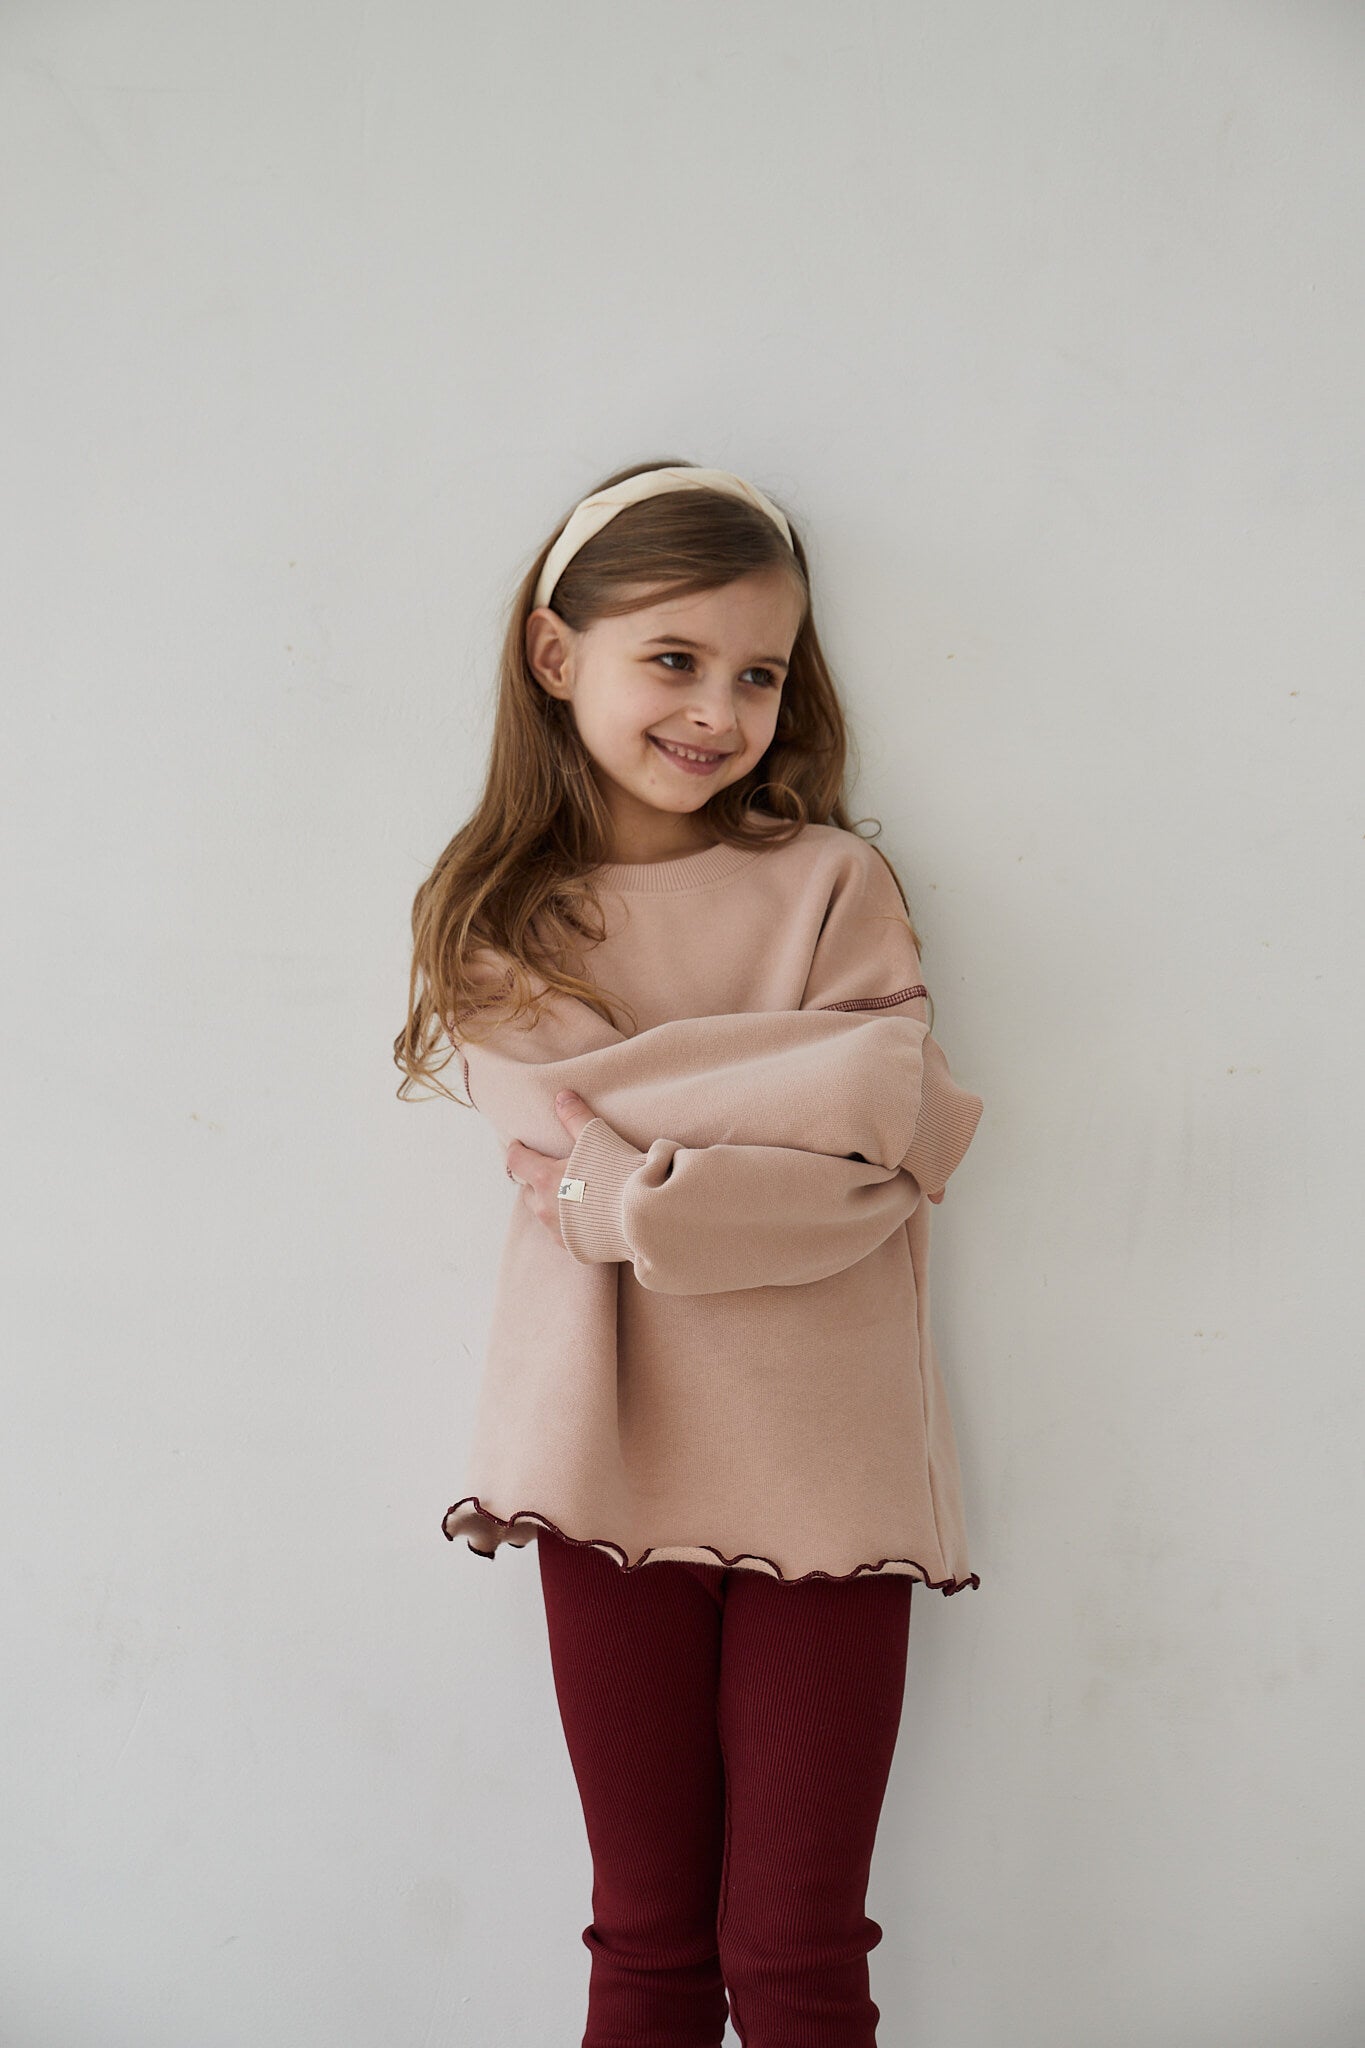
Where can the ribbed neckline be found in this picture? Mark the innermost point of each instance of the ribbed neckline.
(698, 870)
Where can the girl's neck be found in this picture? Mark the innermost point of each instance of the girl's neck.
(642, 843)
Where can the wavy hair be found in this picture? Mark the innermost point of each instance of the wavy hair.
(511, 888)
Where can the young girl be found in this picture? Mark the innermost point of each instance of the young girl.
(686, 995)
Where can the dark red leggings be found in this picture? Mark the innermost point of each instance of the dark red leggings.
(731, 1735)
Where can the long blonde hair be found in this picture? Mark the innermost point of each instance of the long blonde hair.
(510, 886)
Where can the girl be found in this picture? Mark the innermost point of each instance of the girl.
(686, 995)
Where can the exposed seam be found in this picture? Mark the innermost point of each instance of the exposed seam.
(903, 995)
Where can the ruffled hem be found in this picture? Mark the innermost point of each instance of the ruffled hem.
(683, 1553)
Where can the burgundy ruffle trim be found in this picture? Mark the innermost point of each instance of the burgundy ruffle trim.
(605, 1543)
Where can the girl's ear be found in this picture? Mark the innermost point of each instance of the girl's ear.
(549, 651)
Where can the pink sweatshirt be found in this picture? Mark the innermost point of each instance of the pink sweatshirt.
(732, 1361)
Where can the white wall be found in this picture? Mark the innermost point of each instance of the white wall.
(1046, 323)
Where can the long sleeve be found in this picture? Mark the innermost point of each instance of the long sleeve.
(867, 961)
(797, 1140)
(709, 1219)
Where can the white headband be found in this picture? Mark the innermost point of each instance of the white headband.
(591, 514)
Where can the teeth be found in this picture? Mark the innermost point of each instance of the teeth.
(688, 753)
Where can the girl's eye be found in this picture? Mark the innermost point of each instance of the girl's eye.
(676, 654)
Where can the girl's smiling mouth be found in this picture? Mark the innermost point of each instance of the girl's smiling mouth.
(708, 761)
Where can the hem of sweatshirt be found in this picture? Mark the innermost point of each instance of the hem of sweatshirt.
(519, 1529)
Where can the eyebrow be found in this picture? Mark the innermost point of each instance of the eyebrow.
(700, 647)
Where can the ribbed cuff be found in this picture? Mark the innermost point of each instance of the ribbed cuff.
(603, 1160)
(945, 1126)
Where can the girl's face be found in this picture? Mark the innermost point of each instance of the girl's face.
(702, 673)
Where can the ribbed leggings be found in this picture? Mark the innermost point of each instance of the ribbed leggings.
(731, 1735)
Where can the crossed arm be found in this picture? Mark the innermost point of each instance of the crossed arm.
(799, 1140)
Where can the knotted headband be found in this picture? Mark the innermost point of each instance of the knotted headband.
(591, 514)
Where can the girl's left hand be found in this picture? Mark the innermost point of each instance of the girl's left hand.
(539, 1172)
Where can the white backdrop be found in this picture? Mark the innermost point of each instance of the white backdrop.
(1045, 323)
